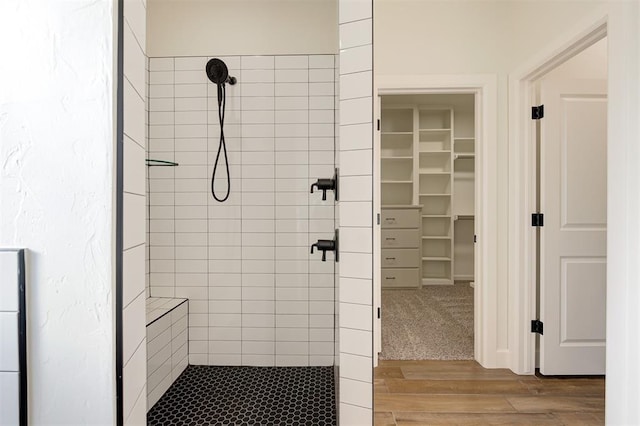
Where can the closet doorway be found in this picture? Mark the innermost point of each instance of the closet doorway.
(427, 220)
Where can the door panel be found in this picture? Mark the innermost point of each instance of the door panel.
(584, 173)
(573, 240)
(581, 295)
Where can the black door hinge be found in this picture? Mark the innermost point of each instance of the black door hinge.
(537, 112)
(378, 124)
(536, 326)
(379, 313)
(475, 238)
(537, 219)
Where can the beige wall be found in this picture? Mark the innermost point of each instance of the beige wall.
(591, 63)
(497, 37)
(241, 27)
(468, 36)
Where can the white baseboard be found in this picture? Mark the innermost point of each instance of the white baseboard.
(463, 277)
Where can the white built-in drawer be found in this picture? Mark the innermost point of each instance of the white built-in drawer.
(402, 238)
(400, 258)
(400, 277)
(400, 218)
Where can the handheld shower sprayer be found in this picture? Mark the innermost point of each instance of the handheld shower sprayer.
(218, 73)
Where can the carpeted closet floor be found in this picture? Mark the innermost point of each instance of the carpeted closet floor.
(433, 322)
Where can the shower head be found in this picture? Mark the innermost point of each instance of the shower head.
(218, 72)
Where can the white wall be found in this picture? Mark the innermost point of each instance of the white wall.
(57, 198)
(469, 37)
(623, 182)
(133, 281)
(242, 27)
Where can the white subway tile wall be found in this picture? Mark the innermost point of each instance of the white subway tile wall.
(167, 346)
(258, 296)
(134, 236)
(356, 151)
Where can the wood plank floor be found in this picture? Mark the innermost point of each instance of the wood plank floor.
(464, 393)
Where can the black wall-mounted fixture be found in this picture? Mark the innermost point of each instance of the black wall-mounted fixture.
(160, 163)
(325, 185)
(328, 245)
(218, 73)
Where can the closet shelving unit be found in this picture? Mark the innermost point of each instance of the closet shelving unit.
(427, 164)
(464, 182)
(397, 156)
(435, 192)
(400, 216)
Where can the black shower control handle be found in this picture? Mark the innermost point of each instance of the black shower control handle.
(329, 245)
(324, 185)
(324, 246)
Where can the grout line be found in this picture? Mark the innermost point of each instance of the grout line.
(135, 36)
(309, 242)
(336, 207)
(274, 219)
(135, 89)
(208, 301)
(359, 71)
(144, 340)
(368, 18)
(173, 292)
(241, 205)
(141, 394)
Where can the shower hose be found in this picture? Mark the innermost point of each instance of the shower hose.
(222, 146)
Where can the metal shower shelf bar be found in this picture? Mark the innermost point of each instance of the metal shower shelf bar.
(160, 163)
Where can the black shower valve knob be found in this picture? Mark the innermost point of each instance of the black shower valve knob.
(324, 246)
(324, 185)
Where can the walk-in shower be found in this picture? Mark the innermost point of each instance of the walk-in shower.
(261, 303)
(234, 285)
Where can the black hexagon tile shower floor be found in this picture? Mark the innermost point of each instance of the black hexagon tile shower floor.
(212, 395)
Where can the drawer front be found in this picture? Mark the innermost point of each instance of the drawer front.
(400, 218)
(400, 258)
(400, 278)
(402, 238)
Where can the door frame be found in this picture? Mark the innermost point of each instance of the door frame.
(522, 185)
(485, 89)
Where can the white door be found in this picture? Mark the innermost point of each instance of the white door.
(573, 198)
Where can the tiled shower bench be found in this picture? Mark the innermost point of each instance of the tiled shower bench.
(167, 347)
